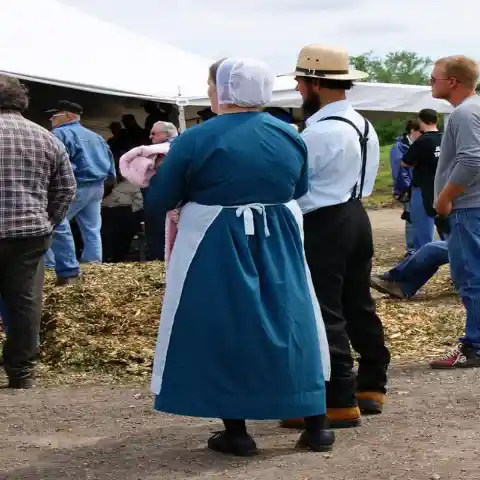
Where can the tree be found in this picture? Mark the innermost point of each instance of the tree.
(396, 67)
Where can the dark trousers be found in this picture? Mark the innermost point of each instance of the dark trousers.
(339, 251)
(155, 237)
(119, 225)
(154, 234)
(21, 289)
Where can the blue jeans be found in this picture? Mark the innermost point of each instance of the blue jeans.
(86, 209)
(409, 232)
(464, 252)
(414, 272)
(422, 225)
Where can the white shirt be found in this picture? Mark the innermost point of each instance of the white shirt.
(334, 157)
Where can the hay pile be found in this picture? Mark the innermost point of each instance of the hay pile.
(427, 325)
(109, 323)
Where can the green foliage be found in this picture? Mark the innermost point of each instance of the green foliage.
(389, 130)
(396, 67)
(382, 192)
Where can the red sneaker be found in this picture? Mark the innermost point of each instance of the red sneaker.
(462, 356)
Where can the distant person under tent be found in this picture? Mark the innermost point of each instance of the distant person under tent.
(156, 114)
(118, 142)
(121, 217)
(135, 133)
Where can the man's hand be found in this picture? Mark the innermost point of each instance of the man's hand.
(443, 205)
(446, 197)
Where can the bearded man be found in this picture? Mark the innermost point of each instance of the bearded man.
(344, 153)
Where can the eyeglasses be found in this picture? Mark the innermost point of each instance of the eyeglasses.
(433, 80)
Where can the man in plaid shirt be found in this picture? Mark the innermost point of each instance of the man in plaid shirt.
(37, 186)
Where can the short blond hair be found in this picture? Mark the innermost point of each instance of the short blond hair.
(463, 68)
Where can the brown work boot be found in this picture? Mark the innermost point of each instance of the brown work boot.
(371, 402)
(344, 417)
(338, 418)
(387, 287)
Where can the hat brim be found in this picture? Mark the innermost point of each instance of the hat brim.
(52, 111)
(351, 75)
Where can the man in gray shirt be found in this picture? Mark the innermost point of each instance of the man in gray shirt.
(457, 193)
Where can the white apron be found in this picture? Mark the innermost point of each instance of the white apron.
(195, 220)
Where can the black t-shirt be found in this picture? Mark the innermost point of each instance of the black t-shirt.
(423, 156)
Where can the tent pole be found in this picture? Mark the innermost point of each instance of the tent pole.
(181, 104)
(181, 118)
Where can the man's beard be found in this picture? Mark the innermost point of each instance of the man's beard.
(311, 104)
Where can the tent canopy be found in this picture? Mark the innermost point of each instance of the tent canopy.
(93, 55)
(381, 97)
(101, 57)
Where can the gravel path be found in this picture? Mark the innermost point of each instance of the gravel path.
(429, 431)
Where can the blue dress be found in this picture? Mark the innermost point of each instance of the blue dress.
(238, 336)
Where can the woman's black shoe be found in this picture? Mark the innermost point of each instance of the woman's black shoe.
(233, 444)
(318, 441)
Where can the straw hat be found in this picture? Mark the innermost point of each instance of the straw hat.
(321, 61)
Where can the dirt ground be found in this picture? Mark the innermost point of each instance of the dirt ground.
(429, 430)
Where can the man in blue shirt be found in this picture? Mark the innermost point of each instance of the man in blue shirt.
(93, 165)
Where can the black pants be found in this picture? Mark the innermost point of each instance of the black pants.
(339, 251)
(21, 288)
(155, 237)
(119, 225)
(154, 234)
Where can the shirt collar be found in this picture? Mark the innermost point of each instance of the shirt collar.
(328, 110)
(10, 113)
(68, 123)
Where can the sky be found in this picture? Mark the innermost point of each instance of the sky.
(275, 30)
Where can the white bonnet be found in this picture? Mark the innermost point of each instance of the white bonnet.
(244, 82)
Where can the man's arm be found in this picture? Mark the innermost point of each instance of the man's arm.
(62, 187)
(467, 161)
(414, 154)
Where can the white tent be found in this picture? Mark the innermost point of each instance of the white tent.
(380, 97)
(80, 51)
(49, 42)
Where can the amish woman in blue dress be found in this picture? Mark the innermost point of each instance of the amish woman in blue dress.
(241, 336)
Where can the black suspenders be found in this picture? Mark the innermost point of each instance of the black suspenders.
(363, 138)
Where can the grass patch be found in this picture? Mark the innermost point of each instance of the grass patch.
(382, 191)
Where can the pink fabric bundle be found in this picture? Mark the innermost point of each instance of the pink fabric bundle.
(138, 166)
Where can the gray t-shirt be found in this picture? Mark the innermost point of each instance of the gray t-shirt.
(459, 161)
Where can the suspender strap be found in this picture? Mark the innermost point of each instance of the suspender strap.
(363, 139)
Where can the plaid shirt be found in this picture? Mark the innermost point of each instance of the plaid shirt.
(36, 178)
